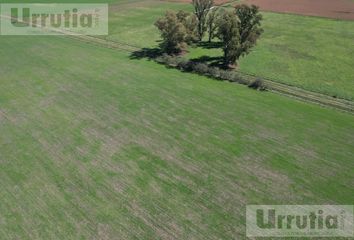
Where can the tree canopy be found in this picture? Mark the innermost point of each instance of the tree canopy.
(177, 29)
(201, 9)
(239, 31)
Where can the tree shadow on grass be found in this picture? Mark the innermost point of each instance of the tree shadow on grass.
(210, 45)
(154, 53)
(211, 61)
(148, 53)
(212, 67)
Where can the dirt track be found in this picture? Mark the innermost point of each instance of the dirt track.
(338, 9)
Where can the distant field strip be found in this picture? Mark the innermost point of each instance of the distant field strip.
(339, 9)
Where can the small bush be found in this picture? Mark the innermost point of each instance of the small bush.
(240, 79)
(258, 84)
(204, 69)
(163, 58)
(226, 75)
(172, 61)
(214, 72)
(201, 68)
(169, 60)
(183, 64)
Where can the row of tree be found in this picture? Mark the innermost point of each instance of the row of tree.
(238, 29)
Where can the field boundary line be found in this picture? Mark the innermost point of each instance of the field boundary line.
(306, 95)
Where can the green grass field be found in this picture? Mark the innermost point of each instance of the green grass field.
(95, 145)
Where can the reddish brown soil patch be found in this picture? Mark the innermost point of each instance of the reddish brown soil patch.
(338, 9)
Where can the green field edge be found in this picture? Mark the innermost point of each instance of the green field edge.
(274, 86)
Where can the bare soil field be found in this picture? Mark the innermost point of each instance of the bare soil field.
(337, 9)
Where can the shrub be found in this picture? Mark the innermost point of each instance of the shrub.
(168, 60)
(204, 69)
(240, 79)
(214, 71)
(162, 58)
(181, 63)
(258, 84)
(201, 68)
(226, 75)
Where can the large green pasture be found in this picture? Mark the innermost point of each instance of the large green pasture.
(94, 145)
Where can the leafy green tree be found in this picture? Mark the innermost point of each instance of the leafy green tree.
(250, 26)
(239, 31)
(201, 9)
(211, 23)
(228, 33)
(173, 33)
(190, 22)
